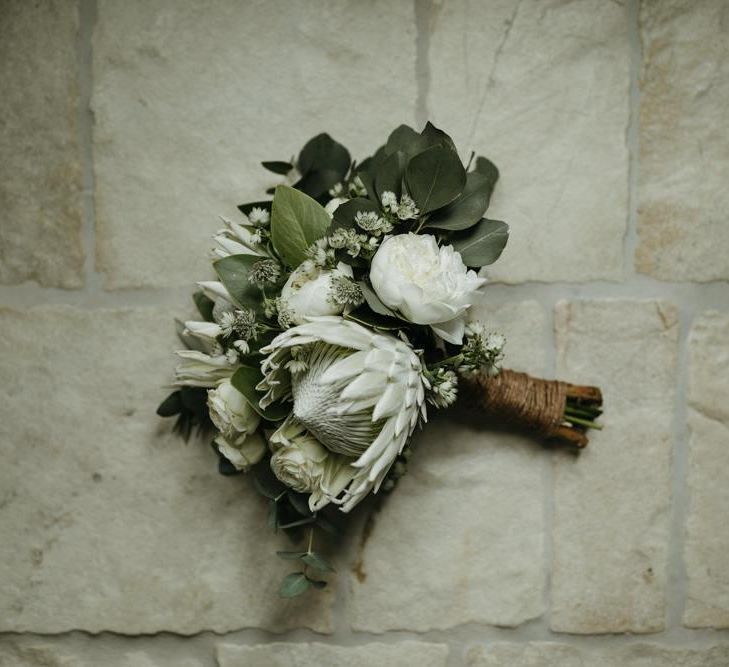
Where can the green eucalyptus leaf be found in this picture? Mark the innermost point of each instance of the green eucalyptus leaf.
(278, 166)
(346, 212)
(487, 168)
(369, 182)
(363, 315)
(233, 273)
(296, 222)
(204, 306)
(389, 174)
(322, 153)
(481, 245)
(468, 209)
(435, 137)
(435, 178)
(317, 183)
(273, 515)
(265, 482)
(171, 406)
(300, 502)
(318, 562)
(294, 584)
(291, 555)
(406, 140)
(316, 583)
(245, 380)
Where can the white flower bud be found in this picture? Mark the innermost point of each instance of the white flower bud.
(307, 292)
(230, 411)
(243, 451)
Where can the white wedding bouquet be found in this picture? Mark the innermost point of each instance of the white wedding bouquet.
(341, 315)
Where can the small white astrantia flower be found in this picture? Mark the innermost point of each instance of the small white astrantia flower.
(360, 395)
(259, 217)
(425, 283)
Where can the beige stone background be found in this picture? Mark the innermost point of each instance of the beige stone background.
(126, 126)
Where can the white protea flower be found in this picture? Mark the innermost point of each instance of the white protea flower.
(237, 239)
(360, 393)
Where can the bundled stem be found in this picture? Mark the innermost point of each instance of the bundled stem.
(553, 409)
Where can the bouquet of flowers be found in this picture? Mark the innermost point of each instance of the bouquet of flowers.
(340, 316)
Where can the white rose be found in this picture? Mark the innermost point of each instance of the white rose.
(307, 291)
(425, 283)
(230, 411)
(243, 450)
(299, 459)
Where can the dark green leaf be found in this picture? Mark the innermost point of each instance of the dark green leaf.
(300, 502)
(316, 583)
(291, 555)
(435, 137)
(294, 584)
(326, 525)
(296, 222)
(245, 380)
(468, 209)
(345, 213)
(171, 406)
(322, 153)
(405, 140)
(226, 468)
(278, 167)
(389, 174)
(247, 208)
(266, 483)
(233, 273)
(363, 315)
(435, 178)
(204, 306)
(316, 184)
(481, 245)
(373, 301)
(273, 515)
(369, 182)
(318, 562)
(487, 168)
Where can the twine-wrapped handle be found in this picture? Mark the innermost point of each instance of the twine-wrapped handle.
(535, 405)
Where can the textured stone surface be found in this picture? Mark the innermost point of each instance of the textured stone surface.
(542, 89)
(684, 140)
(110, 522)
(612, 502)
(18, 651)
(546, 654)
(189, 101)
(402, 654)
(461, 539)
(40, 174)
(707, 545)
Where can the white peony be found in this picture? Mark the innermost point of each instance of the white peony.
(425, 283)
(243, 450)
(359, 393)
(307, 292)
(230, 411)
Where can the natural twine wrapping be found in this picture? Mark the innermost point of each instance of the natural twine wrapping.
(530, 403)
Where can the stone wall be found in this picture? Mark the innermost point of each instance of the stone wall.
(128, 125)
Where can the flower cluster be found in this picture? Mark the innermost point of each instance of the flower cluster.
(342, 309)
